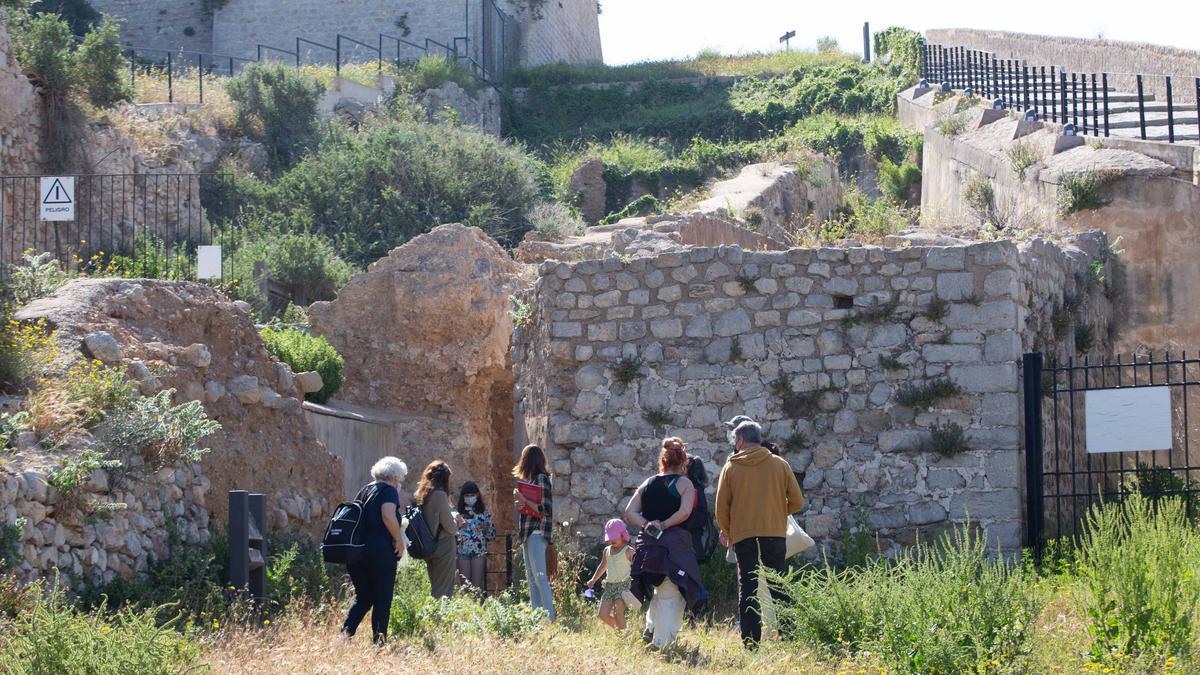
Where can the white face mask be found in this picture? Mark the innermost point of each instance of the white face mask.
(731, 437)
(470, 500)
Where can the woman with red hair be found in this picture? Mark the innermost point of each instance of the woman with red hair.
(664, 561)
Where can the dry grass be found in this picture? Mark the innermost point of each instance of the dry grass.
(307, 642)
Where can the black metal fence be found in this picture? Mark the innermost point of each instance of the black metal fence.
(130, 224)
(485, 50)
(1064, 477)
(1090, 101)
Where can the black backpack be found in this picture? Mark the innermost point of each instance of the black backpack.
(421, 540)
(700, 523)
(343, 541)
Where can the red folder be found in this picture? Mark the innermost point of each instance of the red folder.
(532, 492)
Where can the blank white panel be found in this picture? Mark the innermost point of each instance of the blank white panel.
(1121, 420)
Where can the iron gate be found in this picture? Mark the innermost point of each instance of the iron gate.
(146, 224)
(1064, 479)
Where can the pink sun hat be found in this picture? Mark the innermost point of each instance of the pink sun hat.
(615, 530)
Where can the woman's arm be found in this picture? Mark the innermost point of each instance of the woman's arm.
(392, 523)
(628, 552)
(687, 501)
(633, 512)
(599, 569)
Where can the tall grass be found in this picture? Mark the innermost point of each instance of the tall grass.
(1140, 570)
(706, 63)
(938, 608)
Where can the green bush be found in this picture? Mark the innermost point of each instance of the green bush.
(433, 70)
(80, 16)
(898, 51)
(304, 352)
(555, 220)
(101, 68)
(304, 264)
(372, 191)
(1083, 191)
(54, 637)
(159, 432)
(1140, 588)
(645, 205)
(35, 276)
(896, 181)
(846, 87)
(949, 607)
(42, 44)
(416, 614)
(277, 105)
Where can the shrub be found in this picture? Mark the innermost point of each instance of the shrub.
(152, 258)
(1140, 591)
(519, 311)
(68, 477)
(303, 353)
(433, 70)
(555, 221)
(896, 181)
(1022, 155)
(80, 398)
(948, 439)
(827, 44)
(925, 396)
(305, 265)
(937, 310)
(952, 124)
(1082, 191)
(80, 16)
(627, 370)
(978, 195)
(372, 191)
(1085, 338)
(838, 86)
(860, 218)
(645, 205)
(944, 608)
(278, 106)
(100, 67)
(10, 549)
(26, 350)
(898, 51)
(35, 276)
(657, 417)
(161, 433)
(54, 637)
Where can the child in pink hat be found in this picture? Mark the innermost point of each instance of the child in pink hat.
(615, 560)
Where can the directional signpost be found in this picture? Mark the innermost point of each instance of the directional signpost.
(786, 39)
(57, 198)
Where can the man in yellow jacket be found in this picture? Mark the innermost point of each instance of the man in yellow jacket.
(755, 494)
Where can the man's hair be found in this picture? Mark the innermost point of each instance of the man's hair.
(749, 432)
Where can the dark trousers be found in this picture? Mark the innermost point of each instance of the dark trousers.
(771, 552)
(374, 579)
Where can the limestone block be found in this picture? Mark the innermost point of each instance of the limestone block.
(196, 355)
(245, 389)
(102, 346)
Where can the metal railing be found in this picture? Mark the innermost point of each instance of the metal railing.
(488, 63)
(132, 224)
(1088, 101)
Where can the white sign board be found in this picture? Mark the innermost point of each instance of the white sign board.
(1120, 420)
(57, 198)
(208, 262)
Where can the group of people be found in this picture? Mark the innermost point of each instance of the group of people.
(756, 492)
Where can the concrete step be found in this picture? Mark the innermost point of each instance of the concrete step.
(1153, 119)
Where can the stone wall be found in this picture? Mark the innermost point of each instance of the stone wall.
(1118, 58)
(1152, 207)
(190, 338)
(56, 538)
(178, 24)
(425, 333)
(568, 31)
(20, 116)
(713, 332)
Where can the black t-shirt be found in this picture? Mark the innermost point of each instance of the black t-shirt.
(661, 499)
(374, 496)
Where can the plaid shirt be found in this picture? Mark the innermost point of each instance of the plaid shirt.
(545, 523)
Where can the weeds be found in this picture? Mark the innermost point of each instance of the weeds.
(520, 311)
(979, 195)
(746, 283)
(872, 315)
(1085, 338)
(1083, 191)
(889, 362)
(952, 124)
(795, 405)
(948, 439)
(162, 434)
(659, 418)
(795, 442)
(555, 221)
(937, 310)
(735, 351)
(1022, 155)
(628, 370)
(925, 396)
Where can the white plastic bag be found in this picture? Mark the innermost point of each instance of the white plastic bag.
(405, 559)
(798, 540)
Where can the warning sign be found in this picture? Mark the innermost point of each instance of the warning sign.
(58, 198)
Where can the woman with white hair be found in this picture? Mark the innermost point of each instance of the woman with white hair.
(375, 575)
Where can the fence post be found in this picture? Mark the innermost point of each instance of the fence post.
(1141, 107)
(132, 68)
(297, 53)
(508, 562)
(1104, 92)
(1198, 107)
(1034, 507)
(337, 55)
(922, 59)
(866, 42)
(1062, 85)
(1170, 113)
(200, 74)
(170, 80)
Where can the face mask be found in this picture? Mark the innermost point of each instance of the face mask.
(470, 501)
(730, 436)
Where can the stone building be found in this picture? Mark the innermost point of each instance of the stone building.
(493, 33)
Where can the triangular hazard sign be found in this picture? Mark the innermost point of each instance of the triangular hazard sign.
(57, 194)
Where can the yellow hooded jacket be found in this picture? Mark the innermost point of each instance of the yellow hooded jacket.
(755, 494)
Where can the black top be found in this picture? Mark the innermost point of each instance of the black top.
(660, 498)
(374, 496)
